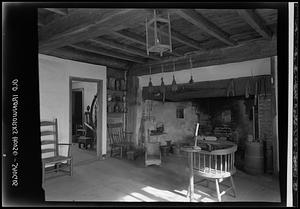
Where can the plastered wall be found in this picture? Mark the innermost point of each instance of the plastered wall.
(54, 87)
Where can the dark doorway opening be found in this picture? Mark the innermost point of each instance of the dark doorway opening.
(77, 109)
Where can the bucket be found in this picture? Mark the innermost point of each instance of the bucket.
(254, 158)
(176, 150)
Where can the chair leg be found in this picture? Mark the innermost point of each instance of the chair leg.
(233, 186)
(121, 155)
(218, 190)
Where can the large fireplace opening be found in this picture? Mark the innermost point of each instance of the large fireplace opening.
(231, 118)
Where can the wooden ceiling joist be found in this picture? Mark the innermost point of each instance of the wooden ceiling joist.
(95, 49)
(81, 25)
(124, 48)
(203, 24)
(255, 22)
(137, 39)
(185, 40)
(92, 58)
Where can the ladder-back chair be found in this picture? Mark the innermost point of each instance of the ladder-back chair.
(216, 165)
(51, 160)
(118, 140)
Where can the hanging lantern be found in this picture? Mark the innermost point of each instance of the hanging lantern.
(150, 86)
(174, 86)
(158, 33)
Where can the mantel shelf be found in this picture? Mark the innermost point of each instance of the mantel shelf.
(116, 112)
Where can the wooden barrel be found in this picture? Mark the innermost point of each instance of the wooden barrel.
(254, 158)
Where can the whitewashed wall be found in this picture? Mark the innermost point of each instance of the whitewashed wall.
(54, 75)
(210, 73)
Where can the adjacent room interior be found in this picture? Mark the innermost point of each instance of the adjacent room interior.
(159, 105)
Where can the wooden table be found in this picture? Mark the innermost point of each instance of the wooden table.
(190, 150)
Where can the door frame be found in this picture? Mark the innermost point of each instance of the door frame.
(100, 116)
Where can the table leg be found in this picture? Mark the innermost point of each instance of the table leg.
(191, 193)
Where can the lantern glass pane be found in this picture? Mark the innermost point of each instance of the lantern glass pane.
(151, 36)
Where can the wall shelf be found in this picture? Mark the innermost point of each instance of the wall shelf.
(116, 112)
(115, 102)
(116, 91)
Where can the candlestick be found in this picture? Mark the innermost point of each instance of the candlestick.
(197, 127)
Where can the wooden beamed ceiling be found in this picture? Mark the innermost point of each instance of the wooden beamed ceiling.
(116, 37)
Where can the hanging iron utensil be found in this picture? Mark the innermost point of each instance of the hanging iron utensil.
(247, 89)
(191, 65)
(150, 86)
(162, 86)
(174, 86)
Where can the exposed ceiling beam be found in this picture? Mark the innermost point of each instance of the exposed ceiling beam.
(71, 53)
(137, 39)
(255, 22)
(61, 11)
(95, 49)
(130, 36)
(82, 24)
(185, 40)
(124, 48)
(246, 51)
(201, 22)
(182, 39)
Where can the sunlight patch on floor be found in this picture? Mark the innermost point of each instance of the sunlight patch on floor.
(164, 194)
(130, 198)
(142, 197)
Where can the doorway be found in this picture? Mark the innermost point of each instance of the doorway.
(77, 109)
(85, 103)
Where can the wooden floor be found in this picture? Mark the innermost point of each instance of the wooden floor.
(124, 180)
